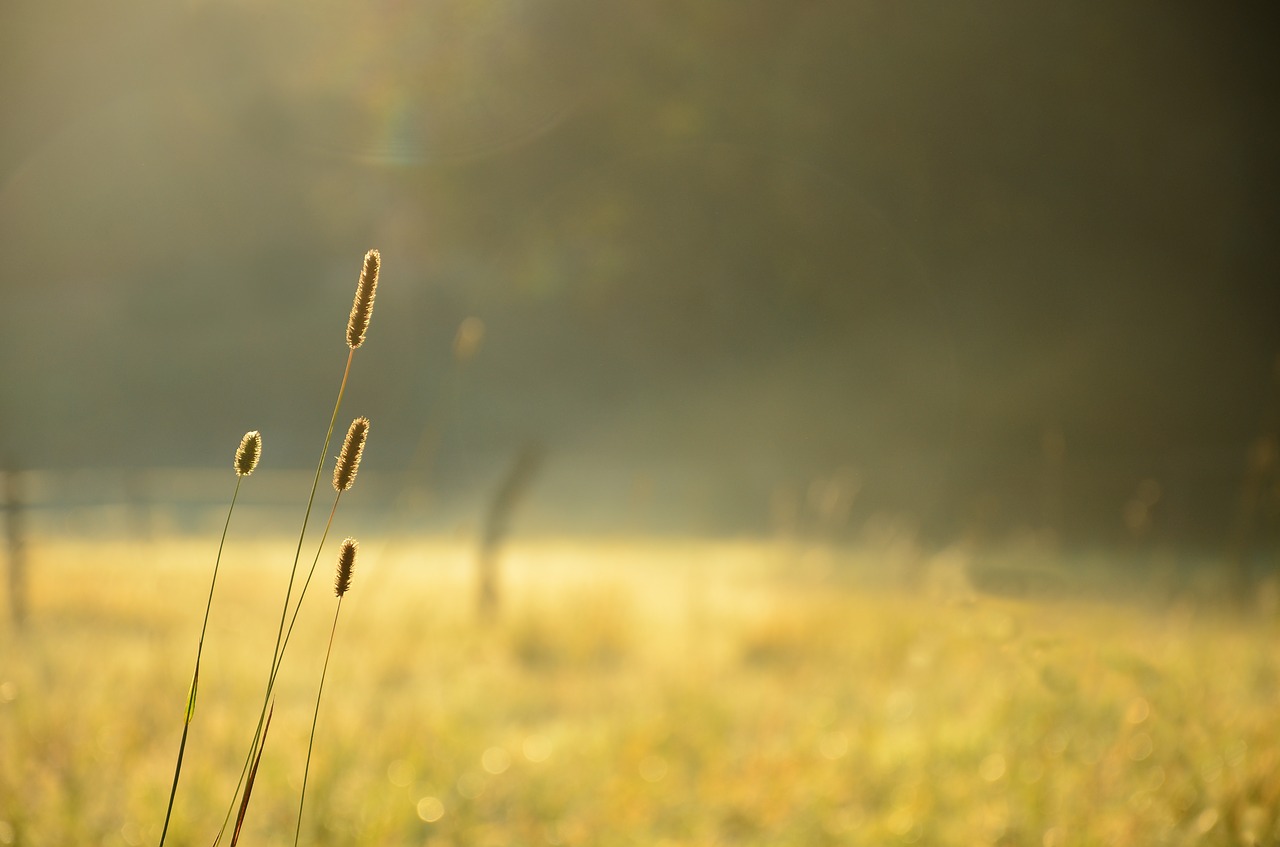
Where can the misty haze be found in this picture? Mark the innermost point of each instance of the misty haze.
(787, 423)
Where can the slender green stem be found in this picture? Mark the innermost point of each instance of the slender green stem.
(303, 593)
(277, 652)
(314, 718)
(311, 499)
(275, 669)
(253, 773)
(195, 676)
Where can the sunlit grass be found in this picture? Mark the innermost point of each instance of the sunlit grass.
(634, 693)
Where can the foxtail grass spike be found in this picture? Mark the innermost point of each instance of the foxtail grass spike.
(346, 561)
(344, 472)
(248, 453)
(362, 308)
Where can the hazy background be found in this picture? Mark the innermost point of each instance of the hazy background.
(983, 267)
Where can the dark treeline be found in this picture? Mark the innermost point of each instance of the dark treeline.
(1007, 267)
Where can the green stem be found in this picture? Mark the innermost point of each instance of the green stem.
(195, 676)
(314, 718)
(303, 593)
(277, 660)
(275, 670)
(277, 652)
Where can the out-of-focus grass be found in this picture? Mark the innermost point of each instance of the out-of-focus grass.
(644, 693)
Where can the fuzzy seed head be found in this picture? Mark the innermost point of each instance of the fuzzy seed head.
(346, 561)
(344, 472)
(248, 452)
(362, 308)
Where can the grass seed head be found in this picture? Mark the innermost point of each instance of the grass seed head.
(344, 472)
(248, 452)
(362, 308)
(346, 561)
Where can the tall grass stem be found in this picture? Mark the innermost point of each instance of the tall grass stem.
(275, 653)
(306, 771)
(253, 775)
(195, 676)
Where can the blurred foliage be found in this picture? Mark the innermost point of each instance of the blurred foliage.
(757, 241)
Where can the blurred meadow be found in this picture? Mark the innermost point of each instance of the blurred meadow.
(638, 692)
(791, 422)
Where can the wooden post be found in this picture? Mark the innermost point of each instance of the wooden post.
(1261, 470)
(13, 508)
(1240, 578)
(498, 520)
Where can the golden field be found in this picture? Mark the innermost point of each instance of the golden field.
(631, 693)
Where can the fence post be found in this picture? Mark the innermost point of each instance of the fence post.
(496, 523)
(13, 509)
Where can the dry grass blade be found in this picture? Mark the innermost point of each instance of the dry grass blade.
(253, 773)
